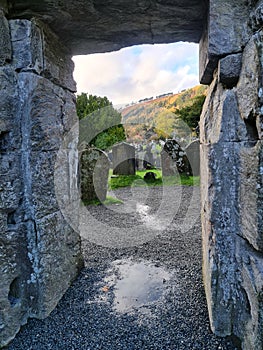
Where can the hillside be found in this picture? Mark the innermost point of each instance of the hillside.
(165, 116)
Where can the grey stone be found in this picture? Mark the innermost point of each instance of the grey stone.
(10, 133)
(250, 194)
(123, 159)
(227, 33)
(58, 65)
(51, 109)
(251, 275)
(256, 16)
(37, 49)
(248, 85)
(94, 174)
(5, 42)
(174, 160)
(220, 223)
(59, 260)
(40, 252)
(193, 154)
(15, 270)
(229, 70)
(27, 47)
(113, 25)
(140, 160)
(231, 162)
(221, 119)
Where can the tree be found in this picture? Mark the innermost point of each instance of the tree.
(191, 114)
(100, 123)
(87, 104)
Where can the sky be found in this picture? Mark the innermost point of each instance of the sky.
(138, 72)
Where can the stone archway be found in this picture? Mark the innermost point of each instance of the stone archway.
(37, 109)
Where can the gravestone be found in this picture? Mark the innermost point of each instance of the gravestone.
(193, 155)
(174, 159)
(94, 172)
(140, 160)
(123, 159)
(149, 157)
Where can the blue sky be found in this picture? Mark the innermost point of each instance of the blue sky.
(138, 72)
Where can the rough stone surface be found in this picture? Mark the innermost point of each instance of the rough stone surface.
(231, 166)
(229, 70)
(248, 85)
(123, 159)
(98, 26)
(221, 119)
(227, 33)
(40, 253)
(94, 173)
(193, 154)
(174, 160)
(46, 57)
(251, 177)
(5, 44)
(40, 250)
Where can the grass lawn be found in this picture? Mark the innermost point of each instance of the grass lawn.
(108, 201)
(138, 180)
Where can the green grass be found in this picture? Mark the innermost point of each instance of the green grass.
(108, 201)
(138, 181)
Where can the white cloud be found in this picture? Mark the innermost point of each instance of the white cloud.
(138, 72)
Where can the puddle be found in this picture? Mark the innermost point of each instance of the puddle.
(135, 284)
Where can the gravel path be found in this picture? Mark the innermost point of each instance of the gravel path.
(141, 287)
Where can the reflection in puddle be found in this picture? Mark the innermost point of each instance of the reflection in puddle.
(135, 284)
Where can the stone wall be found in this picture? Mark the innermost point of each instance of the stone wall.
(39, 252)
(231, 165)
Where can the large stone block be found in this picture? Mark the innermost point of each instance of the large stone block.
(251, 277)
(249, 84)
(251, 194)
(231, 192)
(220, 225)
(60, 260)
(40, 252)
(58, 65)
(227, 33)
(37, 49)
(221, 119)
(115, 24)
(229, 70)
(26, 46)
(17, 297)
(49, 112)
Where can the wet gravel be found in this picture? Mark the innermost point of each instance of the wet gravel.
(175, 318)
